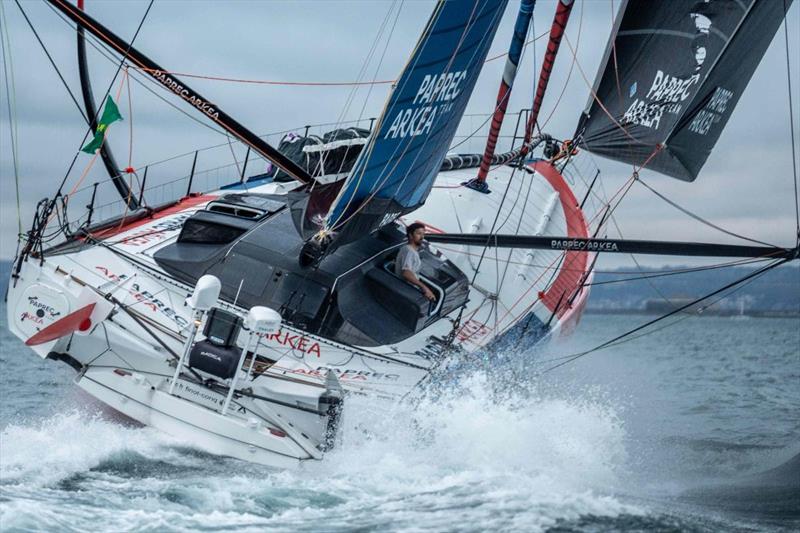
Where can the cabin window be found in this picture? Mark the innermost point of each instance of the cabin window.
(204, 232)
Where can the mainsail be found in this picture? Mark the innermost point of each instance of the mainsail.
(671, 77)
(395, 171)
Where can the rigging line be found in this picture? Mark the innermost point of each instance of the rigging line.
(104, 50)
(8, 71)
(639, 267)
(685, 316)
(626, 187)
(701, 219)
(791, 120)
(383, 56)
(94, 158)
(671, 313)
(389, 107)
(365, 64)
(594, 94)
(569, 73)
(108, 90)
(645, 275)
(53, 63)
(130, 122)
(375, 189)
(311, 83)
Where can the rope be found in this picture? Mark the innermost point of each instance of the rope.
(309, 83)
(11, 104)
(701, 219)
(573, 357)
(791, 120)
(53, 63)
(597, 98)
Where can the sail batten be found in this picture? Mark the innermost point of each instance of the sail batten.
(678, 69)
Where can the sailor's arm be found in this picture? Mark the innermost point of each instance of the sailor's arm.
(410, 277)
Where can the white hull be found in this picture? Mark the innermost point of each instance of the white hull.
(127, 355)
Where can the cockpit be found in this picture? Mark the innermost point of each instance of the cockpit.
(352, 296)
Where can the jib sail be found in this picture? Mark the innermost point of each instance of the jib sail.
(395, 171)
(671, 76)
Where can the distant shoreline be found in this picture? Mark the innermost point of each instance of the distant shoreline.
(708, 312)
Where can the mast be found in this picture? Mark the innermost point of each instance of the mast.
(91, 113)
(175, 85)
(504, 93)
(560, 20)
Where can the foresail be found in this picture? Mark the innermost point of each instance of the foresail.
(671, 78)
(395, 171)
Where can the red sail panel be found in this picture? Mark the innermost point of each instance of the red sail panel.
(76, 321)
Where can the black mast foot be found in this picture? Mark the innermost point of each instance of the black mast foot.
(477, 185)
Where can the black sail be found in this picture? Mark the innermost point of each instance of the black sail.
(671, 77)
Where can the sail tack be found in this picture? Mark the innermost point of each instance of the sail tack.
(671, 77)
(396, 170)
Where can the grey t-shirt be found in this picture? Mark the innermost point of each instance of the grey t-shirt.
(407, 259)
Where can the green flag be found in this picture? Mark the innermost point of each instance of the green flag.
(110, 114)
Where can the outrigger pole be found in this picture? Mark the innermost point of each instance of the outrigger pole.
(504, 94)
(173, 84)
(621, 246)
(91, 113)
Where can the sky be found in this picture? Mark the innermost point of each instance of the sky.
(746, 185)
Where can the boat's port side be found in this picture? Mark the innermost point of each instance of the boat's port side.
(192, 415)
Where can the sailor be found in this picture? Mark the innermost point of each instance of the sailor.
(408, 262)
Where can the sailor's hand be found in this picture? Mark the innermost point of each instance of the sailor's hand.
(428, 294)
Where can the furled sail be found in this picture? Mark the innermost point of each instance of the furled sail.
(395, 171)
(671, 77)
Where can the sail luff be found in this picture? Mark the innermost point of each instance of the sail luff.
(506, 85)
(181, 89)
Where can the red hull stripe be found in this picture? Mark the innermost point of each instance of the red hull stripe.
(183, 204)
(575, 263)
(64, 326)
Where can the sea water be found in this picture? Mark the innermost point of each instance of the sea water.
(693, 427)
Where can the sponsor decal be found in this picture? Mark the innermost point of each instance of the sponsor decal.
(41, 308)
(346, 375)
(433, 349)
(156, 232)
(567, 244)
(472, 331)
(145, 297)
(712, 112)
(435, 96)
(31, 318)
(181, 91)
(666, 95)
(296, 342)
(39, 312)
(203, 396)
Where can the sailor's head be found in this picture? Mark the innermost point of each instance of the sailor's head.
(415, 233)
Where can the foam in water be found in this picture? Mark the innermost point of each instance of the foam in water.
(69, 443)
(495, 461)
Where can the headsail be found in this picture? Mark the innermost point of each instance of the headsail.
(396, 170)
(671, 76)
